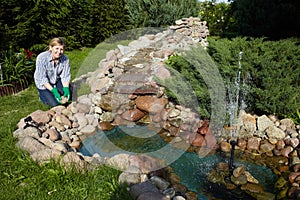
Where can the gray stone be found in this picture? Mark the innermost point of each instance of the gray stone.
(129, 179)
(30, 131)
(263, 122)
(30, 144)
(160, 182)
(152, 196)
(140, 188)
(89, 130)
(274, 132)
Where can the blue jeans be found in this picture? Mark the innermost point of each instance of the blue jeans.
(47, 97)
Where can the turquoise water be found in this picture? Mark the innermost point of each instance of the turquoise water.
(189, 166)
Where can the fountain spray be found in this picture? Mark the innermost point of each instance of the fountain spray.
(1, 74)
(235, 121)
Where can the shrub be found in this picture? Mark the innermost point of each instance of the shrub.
(271, 69)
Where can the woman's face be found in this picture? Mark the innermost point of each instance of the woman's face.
(57, 51)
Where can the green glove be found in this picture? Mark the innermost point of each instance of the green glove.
(66, 92)
(56, 94)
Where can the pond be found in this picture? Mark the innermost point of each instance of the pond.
(191, 168)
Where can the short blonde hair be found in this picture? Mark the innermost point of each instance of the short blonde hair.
(57, 41)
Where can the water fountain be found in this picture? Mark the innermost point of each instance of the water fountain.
(234, 105)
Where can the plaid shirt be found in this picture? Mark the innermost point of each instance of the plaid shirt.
(45, 72)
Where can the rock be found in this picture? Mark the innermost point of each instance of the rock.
(151, 104)
(293, 176)
(198, 140)
(174, 178)
(265, 147)
(252, 187)
(106, 102)
(141, 188)
(131, 176)
(83, 107)
(216, 177)
(92, 120)
(29, 131)
(274, 132)
(286, 151)
(152, 196)
(45, 155)
(280, 144)
(239, 171)
(250, 178)
(52, 134)
(133, 115)
(288, 123)
(161, 71)
(160, 182)
(63, 120)
(71, 160)
(105, 126)
(30, 144)
(253, 143)
(119, 161)
(178, 198)
(57, 125)
(89, 130)
(294, 142)
(191, 195)
(40, 117)
(81, 120)
(225, 147)
(263, 122)
(174, 113)
(240, 180)
(107, 117)
(59, 146)
(294, 192)
(242, 144)
(169, 193)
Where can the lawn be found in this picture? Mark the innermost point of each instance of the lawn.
(22, 178)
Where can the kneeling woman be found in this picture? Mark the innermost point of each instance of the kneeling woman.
(52, 74)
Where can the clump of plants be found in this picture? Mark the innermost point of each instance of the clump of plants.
(17, 67)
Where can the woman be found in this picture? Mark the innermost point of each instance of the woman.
(52, 74)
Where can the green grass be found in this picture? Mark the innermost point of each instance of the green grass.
(22, 178)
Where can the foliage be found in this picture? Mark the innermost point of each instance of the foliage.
(218, 16)
(187, 86)
(271, 70)
(80, 22)
(269, 18)
(17, 67)
(159, 13)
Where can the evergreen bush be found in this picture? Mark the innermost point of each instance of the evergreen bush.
(271, 69)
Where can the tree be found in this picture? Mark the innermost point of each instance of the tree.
(159, 13)
(269, 18)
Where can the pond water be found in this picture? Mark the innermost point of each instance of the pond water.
(189, 166)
